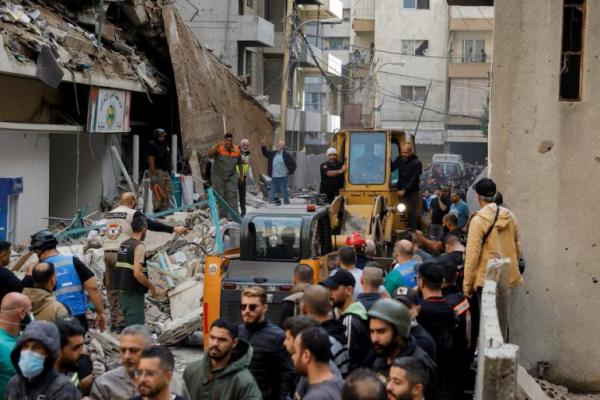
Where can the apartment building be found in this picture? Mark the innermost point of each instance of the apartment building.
(469, 78)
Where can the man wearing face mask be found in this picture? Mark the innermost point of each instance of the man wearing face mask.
(15, 312)
(131, 274)
(33, 359)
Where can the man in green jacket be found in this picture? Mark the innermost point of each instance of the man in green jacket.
(222, 372)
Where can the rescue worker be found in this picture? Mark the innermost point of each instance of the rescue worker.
(493, 232)
(244, 173)
(438, 318)
(403, 272)
(33, 358)
(409, 176)
(390, 324)
(281, 164)
(131, 274)
(332, 175)
(357, 241)
(159, 169)
(118, 229)
(73, 279)
(44, 304)
(351, 313)
(227, 170)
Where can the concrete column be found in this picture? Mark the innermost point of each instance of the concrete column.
(136, 160)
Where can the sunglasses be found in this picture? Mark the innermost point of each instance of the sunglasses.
(251, 307)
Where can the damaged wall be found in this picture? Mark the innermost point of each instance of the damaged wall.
(26, 100)
(206, 90)
(26, 155)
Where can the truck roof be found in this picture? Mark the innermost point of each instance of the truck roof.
(447, 158)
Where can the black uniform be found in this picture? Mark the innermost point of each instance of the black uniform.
(10, 282)
(331, 185)
(124, 278)
(438, 318)
(409, 180)
(161, 153)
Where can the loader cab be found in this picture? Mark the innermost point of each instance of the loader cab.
(273, 241)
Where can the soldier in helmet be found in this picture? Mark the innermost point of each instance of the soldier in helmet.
(159, 169)
(390, 324)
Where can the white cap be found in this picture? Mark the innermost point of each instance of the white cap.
(331, 150)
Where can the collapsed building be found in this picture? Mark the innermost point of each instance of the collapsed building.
(79, 81)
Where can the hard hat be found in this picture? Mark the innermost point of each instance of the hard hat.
(43, 240)
(356, 240)
(394, 313)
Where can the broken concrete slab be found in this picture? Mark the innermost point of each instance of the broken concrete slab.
(178, 329)
(186, 297)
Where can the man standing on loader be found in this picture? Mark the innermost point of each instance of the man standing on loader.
(409, 175)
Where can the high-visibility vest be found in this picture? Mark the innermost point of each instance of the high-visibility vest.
(69, 289)
(118, 227)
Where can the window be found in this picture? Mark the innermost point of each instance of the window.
(414, 47)
(314, 97)
(277, 238)
(572, 49)
(367, 158)
(417, 4)
(337, 43)
(474, 51)
(413, 93)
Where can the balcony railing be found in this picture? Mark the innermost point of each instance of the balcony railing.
(471, 59)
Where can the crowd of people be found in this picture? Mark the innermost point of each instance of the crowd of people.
(365, 332)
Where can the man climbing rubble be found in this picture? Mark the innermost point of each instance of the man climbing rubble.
(227, 170)
(159, 169)
(118, 229)
(73, 279)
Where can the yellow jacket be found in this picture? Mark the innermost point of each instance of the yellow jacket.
(503, 242)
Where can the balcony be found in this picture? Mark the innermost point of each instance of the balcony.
(321, 9)
(329, 63)
(363, 16)
(255, 31)
(469, 68)
(472, 24)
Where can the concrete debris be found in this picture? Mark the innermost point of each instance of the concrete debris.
(103, 347)
(29, 28)
(178, 329)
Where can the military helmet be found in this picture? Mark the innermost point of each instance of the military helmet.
(43, 240)
(394, 313)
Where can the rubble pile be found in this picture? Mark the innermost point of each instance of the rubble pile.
(52, 36)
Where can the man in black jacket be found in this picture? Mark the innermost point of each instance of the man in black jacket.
(281, 164)
(409, 175)
(10, 282)
(271, 365)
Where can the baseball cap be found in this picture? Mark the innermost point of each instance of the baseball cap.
(408, 296)
(331, 150)
(341, 277)
(485, 187)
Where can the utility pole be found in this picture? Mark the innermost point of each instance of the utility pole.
(287, 48)
(422, 108)
(373, 92)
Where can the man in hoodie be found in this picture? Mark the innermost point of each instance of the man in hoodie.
(271, 365)
(390, 325)
(316, 304)
(44, 303)
(409, 175)
(33, 359)
(501, 241)
(222, 371)
(352, 314)
(15, 311)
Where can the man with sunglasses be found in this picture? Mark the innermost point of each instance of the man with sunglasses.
(270, 365)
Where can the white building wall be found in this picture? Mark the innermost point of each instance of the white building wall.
(26, 155)
(394, 24)
(469, 96)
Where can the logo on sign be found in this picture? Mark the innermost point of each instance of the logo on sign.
(212, 269)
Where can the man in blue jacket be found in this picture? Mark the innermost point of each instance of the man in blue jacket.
(281, 164)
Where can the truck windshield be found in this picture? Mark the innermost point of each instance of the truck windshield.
(367, 158)
(277, 238)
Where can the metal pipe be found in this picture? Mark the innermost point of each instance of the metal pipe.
(136, 160)
(123, 169)
(174, 153)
